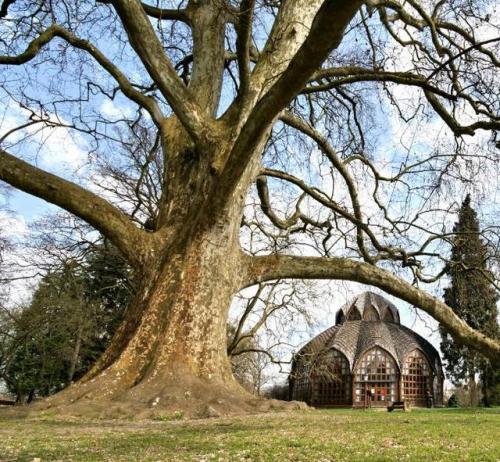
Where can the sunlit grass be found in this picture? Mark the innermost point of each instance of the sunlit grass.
(329, 435)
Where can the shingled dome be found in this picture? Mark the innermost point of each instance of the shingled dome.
(367, 359)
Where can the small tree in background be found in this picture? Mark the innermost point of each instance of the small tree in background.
(249, 361)
(472, 296)
(47, 336)
(490, 380)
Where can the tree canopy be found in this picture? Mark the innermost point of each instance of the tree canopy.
(55, 338)
(220, 144)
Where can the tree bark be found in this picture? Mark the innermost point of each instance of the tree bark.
(171, 351)
(175, 343)
(75, 354)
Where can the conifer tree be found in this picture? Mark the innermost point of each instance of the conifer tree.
(69, 322)
(472, 296)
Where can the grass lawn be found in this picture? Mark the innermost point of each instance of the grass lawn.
(322, 435)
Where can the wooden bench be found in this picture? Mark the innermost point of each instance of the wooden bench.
(6, 402)
(398, 405)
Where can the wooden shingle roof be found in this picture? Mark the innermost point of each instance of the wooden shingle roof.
(353, 338)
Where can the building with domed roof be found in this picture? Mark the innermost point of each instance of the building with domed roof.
(367, 359)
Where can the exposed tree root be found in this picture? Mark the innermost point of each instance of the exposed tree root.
(168, 399)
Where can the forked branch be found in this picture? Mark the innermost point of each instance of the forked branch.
(326, 33)
(148, 47)
(125, 85)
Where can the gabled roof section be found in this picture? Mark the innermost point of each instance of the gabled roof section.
(366, 303)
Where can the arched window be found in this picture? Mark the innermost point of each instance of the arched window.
(375, 379)
(371, 314)
(332, 380)
(354, 315)
(388, 316)
(417, 383)
(301, 379)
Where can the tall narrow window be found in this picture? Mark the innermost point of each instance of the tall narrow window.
(388, 316)
(332, 380)
(375, 379)
(354, 314)
(301, 381)
(340, 318)
(417, 382)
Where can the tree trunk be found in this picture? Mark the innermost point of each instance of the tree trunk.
(485, 392)
(472, 386)
(487, 375)
(20, 398)
(170, 354)
(75, 354)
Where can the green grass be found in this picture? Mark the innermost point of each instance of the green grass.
(328, 435)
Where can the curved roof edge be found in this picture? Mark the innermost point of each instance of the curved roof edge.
(368, 300)
(354, 338)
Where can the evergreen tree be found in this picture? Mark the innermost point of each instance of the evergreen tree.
(46, 334)
(109, 285)
(69, 322)
(472, 296)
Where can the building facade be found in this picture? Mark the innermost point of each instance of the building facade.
(367, 359)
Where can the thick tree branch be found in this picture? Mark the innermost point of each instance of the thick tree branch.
(168, 14)
(207, 71)
(453, 124)
(265, 205)
(271, 267)
(243, 43)
(125, 85)
(326, 33)
(106, 218)
(149, 49)
(4, 9)
(351, 74)
(290, 29)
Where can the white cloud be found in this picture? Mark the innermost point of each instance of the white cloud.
(61, 149)
(12, 226)
(110, 109)
(58, 149)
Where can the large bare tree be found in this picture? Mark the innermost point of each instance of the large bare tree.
(225, 94)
